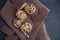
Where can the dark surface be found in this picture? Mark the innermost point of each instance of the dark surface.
(52, 21)
(2, 2)
(2, 36)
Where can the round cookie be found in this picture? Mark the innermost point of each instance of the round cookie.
(26, 27)
(17, 23)
(21, 14)
(30, 9)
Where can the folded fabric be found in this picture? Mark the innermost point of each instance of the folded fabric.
(10, 34)
(40, 35)
(9, 10)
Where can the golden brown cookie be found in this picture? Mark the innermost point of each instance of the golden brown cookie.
(17, 22)
(26, 28)
(21, 14)
(30, 9)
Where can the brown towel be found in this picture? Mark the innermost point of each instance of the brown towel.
(10, 34)
(7, 30)
(9, 10)
(41, 33)
(11, 38)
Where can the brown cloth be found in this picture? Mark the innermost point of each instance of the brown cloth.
(41, 35)
(7, 30)
(11, 38)
(10, 34)
(9, 10)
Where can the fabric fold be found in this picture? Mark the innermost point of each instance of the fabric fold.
(9, 10)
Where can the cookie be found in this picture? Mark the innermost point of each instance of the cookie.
(21, 14)
(17, 22)
(30, 9)
(26, 27)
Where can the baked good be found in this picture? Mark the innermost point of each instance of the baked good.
(17, 22)
(21, 14)
(26, 28)
(30, 8)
